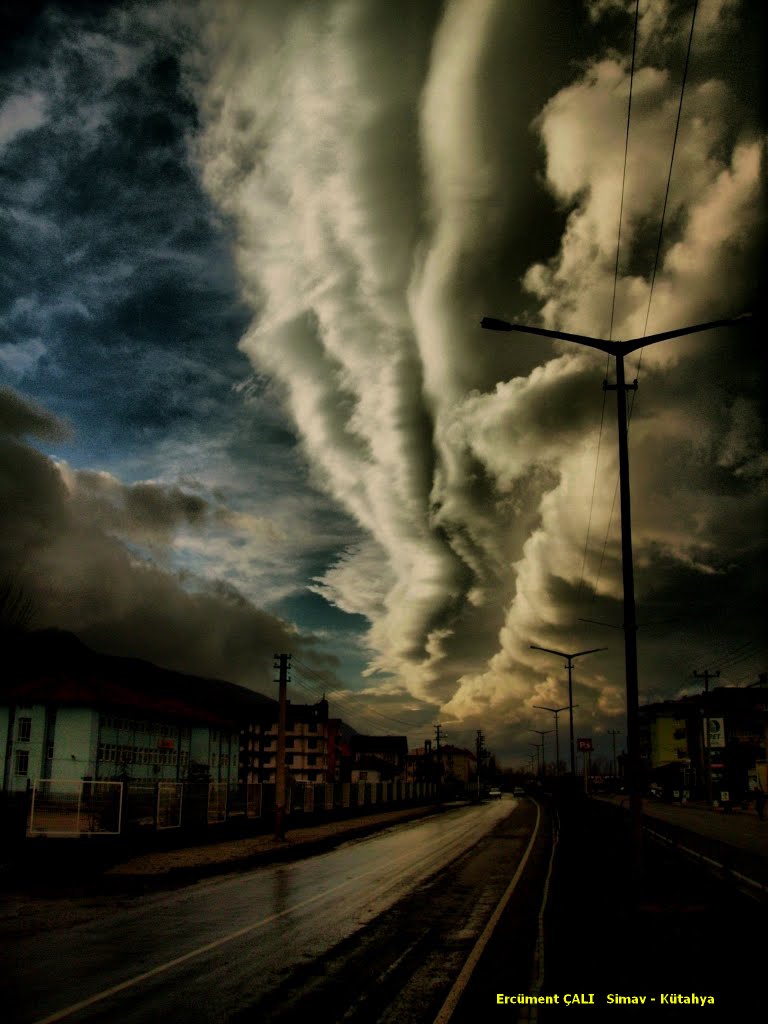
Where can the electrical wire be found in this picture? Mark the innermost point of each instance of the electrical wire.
(658, 248)
(592, 500)
(624, 172)
(346, 695)
(355, 715)
(363, 708)
(669, 179)
(613, 299)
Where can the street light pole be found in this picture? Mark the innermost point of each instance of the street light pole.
(555, 712)
(538, 759)
(618, 350)
(542, 733)
(569, 659)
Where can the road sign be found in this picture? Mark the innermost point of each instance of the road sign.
(585, 745)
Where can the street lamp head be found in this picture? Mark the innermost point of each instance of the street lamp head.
(564, 654)
(491, 323)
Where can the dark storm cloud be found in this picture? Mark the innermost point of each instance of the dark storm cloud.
(63, 544)
(141, 510)
(469, 459)
(382, 176)
(116, 271)
(20, 418)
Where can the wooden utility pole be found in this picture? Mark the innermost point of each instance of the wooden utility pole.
(613, 733)
(479, 751)
(282, 664)
(706, 675)
(439, 758)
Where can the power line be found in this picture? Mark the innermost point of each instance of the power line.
(358, 716)
(346, 695)
(669, 176)
(613, 299)
(367, 710)
(658, 247)
(592, 498)
(354, 712)
(624, 172)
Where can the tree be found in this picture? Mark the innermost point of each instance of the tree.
(16, 608)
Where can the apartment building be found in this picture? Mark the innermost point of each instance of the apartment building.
(70, 713)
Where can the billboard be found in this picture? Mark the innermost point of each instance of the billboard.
(715, 734)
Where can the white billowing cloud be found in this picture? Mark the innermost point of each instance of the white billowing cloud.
(309, 149)
(19, 114)
(711, 225)
(359, 581)
(660, 23)
(22, 357)
(351, 148)
(583, 131)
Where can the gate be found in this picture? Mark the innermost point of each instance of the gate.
(73, 807)
(169, 800)
(217, 802)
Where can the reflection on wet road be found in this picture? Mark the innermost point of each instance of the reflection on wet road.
(202, 953)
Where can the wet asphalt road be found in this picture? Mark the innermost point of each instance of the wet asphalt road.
(332, 933)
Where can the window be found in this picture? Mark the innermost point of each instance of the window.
(311, 758)
(289, 741)
(24, 730)
(289, 758)
(312, 727)
(22, 762)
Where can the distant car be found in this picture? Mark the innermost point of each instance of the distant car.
(495, 793)
(518, 791)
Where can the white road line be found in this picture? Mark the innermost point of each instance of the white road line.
(538, 957)
(446, 1011)
(208, 947)
(707, 860)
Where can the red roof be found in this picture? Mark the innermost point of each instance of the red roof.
(51, 667)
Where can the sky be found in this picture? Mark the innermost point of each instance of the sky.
(246, 405)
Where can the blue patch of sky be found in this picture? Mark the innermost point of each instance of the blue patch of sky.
(117, 281)
(120, 308)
